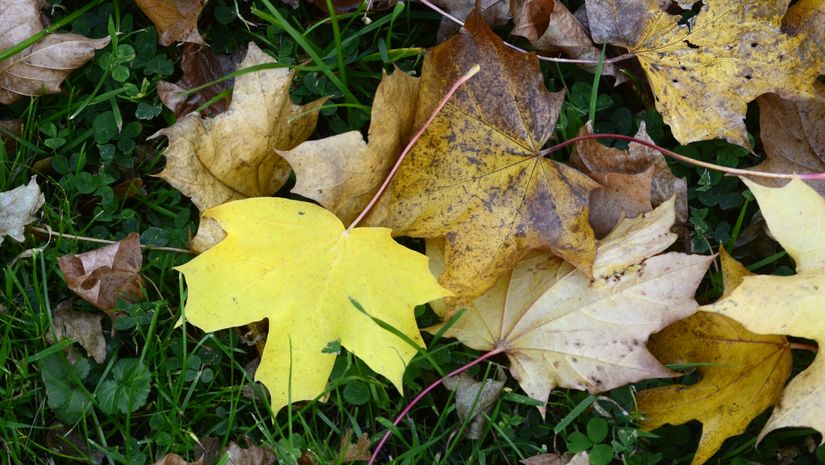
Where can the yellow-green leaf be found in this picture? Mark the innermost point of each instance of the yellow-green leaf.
(293, 263)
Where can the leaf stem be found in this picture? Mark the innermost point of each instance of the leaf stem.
(452, 18)
(49, 232)
(377, 450)
(466, 77)
(683, 158)
(803, 346)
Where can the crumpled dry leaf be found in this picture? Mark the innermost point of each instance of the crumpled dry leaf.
(704, 73)
(175, 459)
(477, 177)
(495, 13)
(199, 66)
(789, 305)
(84, 327)
(342, 172)
(550, 27)
(624, 175)
(40, 68)
(581, 458)
(251, 455)
(232, 156)
(560, 328)
(17, 209)
(793, 134)
(472, 398)
(104, 275)
(746, 375)
(354, 451)
(176, 20)
(294, 264)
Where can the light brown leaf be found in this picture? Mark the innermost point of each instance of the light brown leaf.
(793, 135)
(199, 66)
(104, 275)
(175, 459)
(353, 452)
(84, 327)
(581, 458)
(42, 67)
(17, 209)
(472, 398)
(176, 20)
(633, 181)
(342, 172)
(560, 328)
(232, 156)
(477, 176)
(550, 27)
(703, 72)
(252, 455)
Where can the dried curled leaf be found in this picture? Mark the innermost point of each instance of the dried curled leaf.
(42, 67)
(176, 20)
(17, 209)
(232, 156)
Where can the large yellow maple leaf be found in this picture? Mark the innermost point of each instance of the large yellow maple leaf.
(703, 72)
(560, 328)
(744, 375)
(294, 264)
(793, 305)
(477, 176)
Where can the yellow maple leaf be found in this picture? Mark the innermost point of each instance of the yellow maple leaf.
(793, 305)
(232, 156)
(745, 375)
(560, 328)
(294, 264)
(477, 176)
(704, 72)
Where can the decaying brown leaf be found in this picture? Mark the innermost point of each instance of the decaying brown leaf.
(634, 180)
(495, 13)
(550, 27)
(17, 209)
(8, 129)
(84, 327)
(703, 72)
(40, 68)
(232, 156)
(342, 172)
(560, 328)
(354, 451)
(472, 398)
(477, 176)
(104, 275)
(199, 66)
(581, 458)
(176, 20)
(793, 135)
(175, 459)
(251, 455)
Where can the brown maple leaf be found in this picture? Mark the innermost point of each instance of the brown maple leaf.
(176, 20)
(477, 176)
(104, 275)
(199, 66)
(40, 68)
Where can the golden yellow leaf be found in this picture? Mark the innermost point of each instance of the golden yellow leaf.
(793, 305)
(232, 156)
(342, 172)
(476, 175)
(560, 328)
(745, 375)
(704, 73)
(40, 68)
(293, 263)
